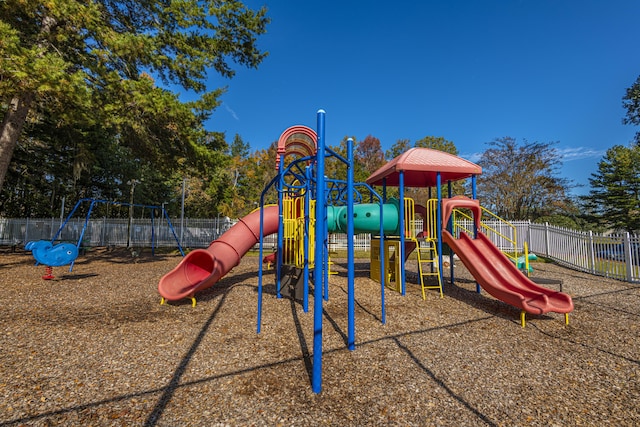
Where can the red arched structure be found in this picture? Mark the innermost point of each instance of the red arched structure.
(297, 140)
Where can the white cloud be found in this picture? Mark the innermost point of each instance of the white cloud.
(577, 153)
(566, 154)
(233, 113)
(472, 157)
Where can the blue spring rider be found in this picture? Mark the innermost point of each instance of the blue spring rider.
(51, 255)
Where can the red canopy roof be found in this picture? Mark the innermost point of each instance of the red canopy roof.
(421, 165)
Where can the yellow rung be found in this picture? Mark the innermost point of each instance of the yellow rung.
(522, 318)
(431, 258)
(330, 264)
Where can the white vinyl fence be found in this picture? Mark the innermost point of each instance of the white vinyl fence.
(616, 255)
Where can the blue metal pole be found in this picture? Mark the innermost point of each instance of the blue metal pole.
(384, 190)
(280, 249)
(382, 255)
(66, 220)
(261, 251)
(439, 224)
(449, 194)
(84, 228)
(401, 221)
(350, 255)
(173, 231)
(316, 380)
(474, 195)
(153, 235)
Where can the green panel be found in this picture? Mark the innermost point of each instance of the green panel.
(366, 218)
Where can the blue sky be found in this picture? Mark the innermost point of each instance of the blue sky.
(469, 71)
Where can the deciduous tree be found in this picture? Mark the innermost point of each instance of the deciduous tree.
(368, 156)
(399, 147)
(521, 181)
(437, 143)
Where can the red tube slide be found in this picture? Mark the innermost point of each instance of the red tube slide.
(202, 268)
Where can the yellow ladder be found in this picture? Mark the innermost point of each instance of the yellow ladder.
(428, 254)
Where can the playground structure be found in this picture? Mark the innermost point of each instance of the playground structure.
(52, 254)
(494, 271)
(311, 206)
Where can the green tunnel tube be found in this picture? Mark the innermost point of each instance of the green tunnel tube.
(366, 218)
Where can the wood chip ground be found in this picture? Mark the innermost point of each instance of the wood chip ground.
(94, 347)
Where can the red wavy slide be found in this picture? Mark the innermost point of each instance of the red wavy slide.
(203, 268)
(501, 278)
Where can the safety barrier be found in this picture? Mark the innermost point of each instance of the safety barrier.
(610, 255)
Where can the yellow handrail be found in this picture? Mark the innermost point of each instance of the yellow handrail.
(486, 229)
(432, 218)
(431, 226)
(409, 218)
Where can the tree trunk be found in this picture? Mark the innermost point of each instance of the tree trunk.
(12, 125)
(16, 115)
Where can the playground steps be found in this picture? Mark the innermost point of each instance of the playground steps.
(427, 254)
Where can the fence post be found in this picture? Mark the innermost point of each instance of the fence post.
(546, 239)
(591, 254)
(628, 259)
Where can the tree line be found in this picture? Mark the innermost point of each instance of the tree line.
(87, 111)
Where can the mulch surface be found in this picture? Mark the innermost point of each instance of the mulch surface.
(94, 346)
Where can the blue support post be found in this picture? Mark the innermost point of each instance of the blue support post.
(449, 194)
(280, 249)
(474, 196)
(350, 254)
(383, 253)
(439, 224)
(153, 234)
(384, 190)
(173, 231)
(474, 190)
(260, 255)
(66, 220)
(316, 380)
(84, 228)
(401, 226)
